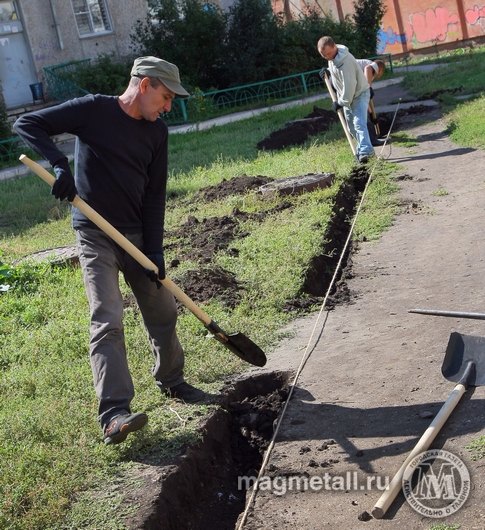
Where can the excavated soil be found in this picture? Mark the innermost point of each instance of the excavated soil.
(199, 490)
(320, 120)
(207, 236)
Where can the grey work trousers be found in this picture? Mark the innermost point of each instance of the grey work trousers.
(101, 261)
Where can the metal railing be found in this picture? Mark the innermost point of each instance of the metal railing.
(59, 86)
(201, 105)
(196, 108)
(11, 149)
(206, 105)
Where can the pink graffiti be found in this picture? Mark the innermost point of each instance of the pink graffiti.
(432, 25)
(473, 15)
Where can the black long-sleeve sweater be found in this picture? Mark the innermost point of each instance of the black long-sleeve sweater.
(121, 164)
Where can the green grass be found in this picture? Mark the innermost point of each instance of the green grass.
(466, 125)
(440, 192)
(477, 448)
(459, 55)
(467, 76)
(402, 139)
(445, 526)
(55, 471)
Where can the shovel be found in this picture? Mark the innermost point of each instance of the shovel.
(454, 314)
(238, 343)
(464, 364)
(340, 113)
(374, 117)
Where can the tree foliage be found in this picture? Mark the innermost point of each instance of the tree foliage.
(189, 34)
(253, 37)
(367, 18)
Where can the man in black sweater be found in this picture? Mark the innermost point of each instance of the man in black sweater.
(121, 172)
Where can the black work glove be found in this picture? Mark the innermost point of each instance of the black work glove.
(335, 106)
(64, 186)
(322, 73)
(159, 261)
(373, 120)
(371, 92)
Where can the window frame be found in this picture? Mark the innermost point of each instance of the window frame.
(106, 19)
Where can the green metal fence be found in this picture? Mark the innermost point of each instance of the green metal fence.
(11, 149)
(206, 105)
(198, 107)
(202, 105)
(59, 86)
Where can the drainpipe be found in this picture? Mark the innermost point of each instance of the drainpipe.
(56, 24)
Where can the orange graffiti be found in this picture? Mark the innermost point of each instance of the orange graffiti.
(432, 25)
(473, 15)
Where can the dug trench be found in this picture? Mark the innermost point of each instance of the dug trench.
(204, 487)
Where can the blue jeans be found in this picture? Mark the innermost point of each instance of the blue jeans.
(356, 118)
(101, 261)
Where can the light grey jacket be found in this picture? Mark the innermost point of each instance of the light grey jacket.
(347, 76)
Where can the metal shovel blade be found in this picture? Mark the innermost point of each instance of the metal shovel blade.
(239, 344)
(461, 352)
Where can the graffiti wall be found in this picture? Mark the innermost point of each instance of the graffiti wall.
(413, 24)
(408, 24)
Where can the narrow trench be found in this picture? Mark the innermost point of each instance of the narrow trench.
(322, 267)
(202, 491)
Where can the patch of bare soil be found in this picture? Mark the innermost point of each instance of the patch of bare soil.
(235, 186)
(199, 489)
(297, 132)
(203, 238)
(320, 120)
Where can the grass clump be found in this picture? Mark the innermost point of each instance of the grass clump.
(466, 76)
(477, 448)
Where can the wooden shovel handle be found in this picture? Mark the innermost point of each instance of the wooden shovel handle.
(424, 442)
(374, 117)
(124, 243)
(340, 115)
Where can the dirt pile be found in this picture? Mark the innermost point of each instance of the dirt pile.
(297, 132)
(199, 240)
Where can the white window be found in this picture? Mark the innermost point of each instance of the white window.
(92, 17)
(8, 11)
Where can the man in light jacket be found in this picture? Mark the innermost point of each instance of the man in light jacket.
(353, 93)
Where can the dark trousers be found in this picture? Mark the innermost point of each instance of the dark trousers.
(101, 261)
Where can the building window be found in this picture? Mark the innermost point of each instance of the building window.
(92, 17)
(8, 11)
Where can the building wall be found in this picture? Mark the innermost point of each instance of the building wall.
(410, 26)
(31, 41)
(44, 42)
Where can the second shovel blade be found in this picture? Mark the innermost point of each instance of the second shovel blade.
(461, 350)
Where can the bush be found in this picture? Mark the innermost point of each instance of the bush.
(189, 34)
(248, 45)
(300, 39)
(105, 76)
(253, 42)
(215, 50)
(367, 18)
(5, 129)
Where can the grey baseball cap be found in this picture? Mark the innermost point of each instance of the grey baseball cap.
(166, 72)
